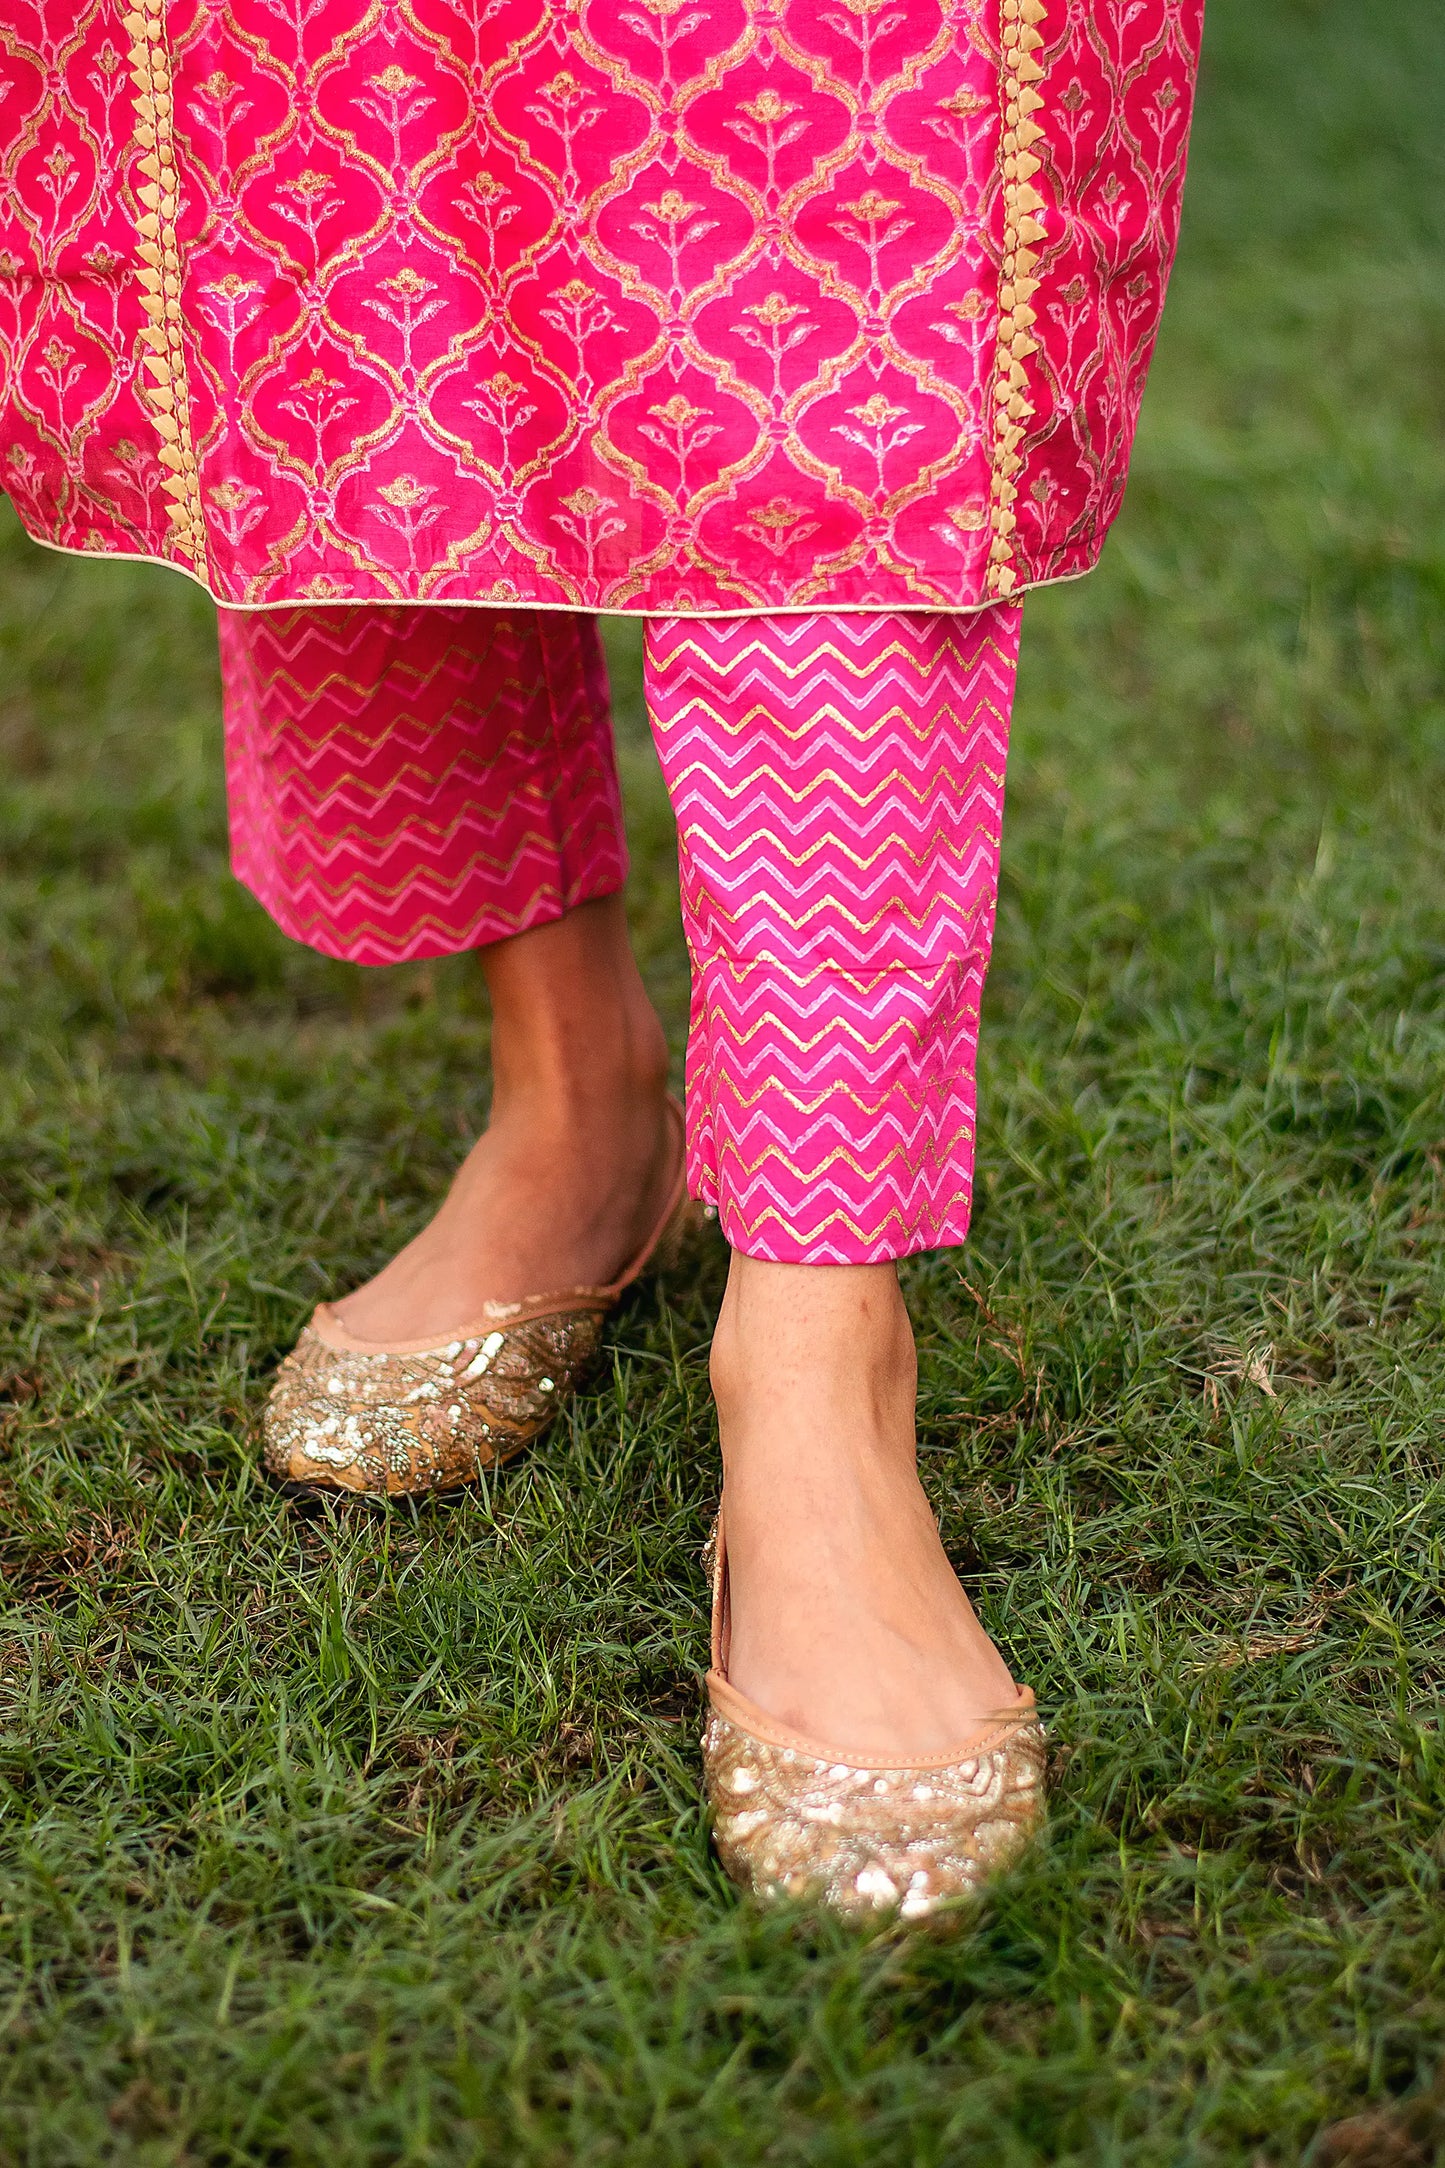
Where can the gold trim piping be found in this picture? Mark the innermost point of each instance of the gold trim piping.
(102, 556)
(167, 399)
(1019, 76)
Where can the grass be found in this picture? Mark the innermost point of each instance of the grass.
(355, 1838)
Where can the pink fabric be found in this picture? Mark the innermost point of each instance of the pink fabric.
(838, 785)
(1117, 87)
(657, 305)
(409, 783)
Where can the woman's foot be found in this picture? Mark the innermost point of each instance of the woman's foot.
(576, 1163)
(848, 1623)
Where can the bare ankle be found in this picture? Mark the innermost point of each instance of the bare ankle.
(573, 1030)
(593, 1090)
(847, 1620)
(824, 1334)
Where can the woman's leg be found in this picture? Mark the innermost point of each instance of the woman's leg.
(415, 782)
(573, 1169)
(838, 784)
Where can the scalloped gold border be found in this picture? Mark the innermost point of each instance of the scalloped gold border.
(166, 399)
(1023, 228)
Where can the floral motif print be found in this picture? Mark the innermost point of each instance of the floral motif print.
(677, 306)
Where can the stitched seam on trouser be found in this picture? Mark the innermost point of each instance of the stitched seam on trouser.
(839, 918)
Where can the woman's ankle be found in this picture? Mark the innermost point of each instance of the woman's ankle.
(573, 1029)
(608, 1081)
(821, 1337)
(848, 1622)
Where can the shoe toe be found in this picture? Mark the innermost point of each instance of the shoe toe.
(866, 1841)
(388, 1423)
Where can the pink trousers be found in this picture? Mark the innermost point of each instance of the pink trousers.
(409, 782)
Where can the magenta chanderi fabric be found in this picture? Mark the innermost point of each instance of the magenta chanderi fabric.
(406, 783)
(812, 331)
(646, 305)
(838, 784)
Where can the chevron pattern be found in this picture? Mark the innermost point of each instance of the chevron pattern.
(838, 785)
(411, 782)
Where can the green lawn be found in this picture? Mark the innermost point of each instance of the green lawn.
(355, 1837)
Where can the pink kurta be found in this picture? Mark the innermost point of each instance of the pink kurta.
(828, 315)
(675, 306)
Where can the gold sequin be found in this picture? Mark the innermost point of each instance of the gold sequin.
(1023, 230)
(167, 397)
(344, 1415)
(387, 1423)
(859, 1839)
(793, 1819)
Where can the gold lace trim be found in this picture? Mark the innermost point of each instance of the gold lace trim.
(166, 398)
(1023, 229)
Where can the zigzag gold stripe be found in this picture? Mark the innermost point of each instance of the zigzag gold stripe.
(838, 791)
(1019, 75)
(166, 398)
(408, 783)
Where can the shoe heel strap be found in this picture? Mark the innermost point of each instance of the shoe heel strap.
(722, 1625)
